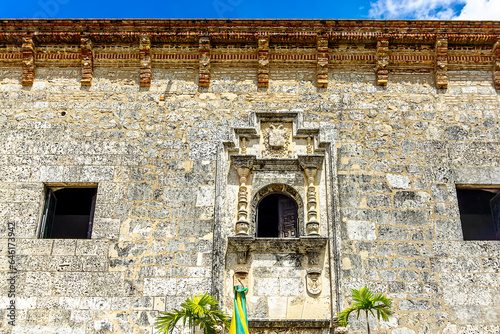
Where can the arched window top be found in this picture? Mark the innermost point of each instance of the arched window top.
(277, 212)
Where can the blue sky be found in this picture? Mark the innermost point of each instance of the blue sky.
(304, 9)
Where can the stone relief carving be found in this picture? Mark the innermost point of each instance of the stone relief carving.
(313, 281)
(277, 138)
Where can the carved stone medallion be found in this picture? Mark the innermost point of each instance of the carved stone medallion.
(313, 281)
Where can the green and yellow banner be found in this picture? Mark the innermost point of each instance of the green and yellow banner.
(239, 322)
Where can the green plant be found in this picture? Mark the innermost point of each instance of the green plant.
(197, 311)
(364, 300)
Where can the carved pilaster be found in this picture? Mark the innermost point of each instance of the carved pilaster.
(87, 56)
(310, 145)
(243, 165)
(496, 63)
(204, 62)
(28, 48)
(441, 67)
(322, 61)
(145, 55)
(263, 73)
(382, 70)
(243, 145)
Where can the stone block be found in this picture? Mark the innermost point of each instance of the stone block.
(266, 287)
(409, 217)
(361, 230)
(277, 307)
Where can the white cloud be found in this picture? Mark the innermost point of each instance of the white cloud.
(436, 9)
(480, 10)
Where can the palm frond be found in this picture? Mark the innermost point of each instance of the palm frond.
(364, 299)
(197, 311)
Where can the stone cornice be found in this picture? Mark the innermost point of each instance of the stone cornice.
(64, 31)
(384, 47)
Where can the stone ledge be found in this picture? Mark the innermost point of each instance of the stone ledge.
(278, 245)
(288, 323)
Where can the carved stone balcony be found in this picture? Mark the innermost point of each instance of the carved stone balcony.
(309, 245)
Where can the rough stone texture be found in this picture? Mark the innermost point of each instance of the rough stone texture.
(398, 151)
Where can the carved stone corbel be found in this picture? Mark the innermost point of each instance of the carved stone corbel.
(496, 64)
(243, 165)
(204, 61)
(87, 60)
(28, 49)
(241, 245)
(322, 61)
(441, 67)
(263, 70)
(145, 55)
(382, 70)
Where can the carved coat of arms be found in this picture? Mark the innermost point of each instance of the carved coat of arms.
(313, 281)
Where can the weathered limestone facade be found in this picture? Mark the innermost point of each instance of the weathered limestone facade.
(375, 123)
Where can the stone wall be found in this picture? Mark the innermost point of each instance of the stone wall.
(398, 153)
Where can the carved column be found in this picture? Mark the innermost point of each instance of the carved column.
(496, 63)
(263, 62)
(382, 70)
(441, 67)
(312, 225)
(311, 164)
(204, 61)
(145, 55)
(243, 165)
(87, 60)
(322, 61)
(28, 48)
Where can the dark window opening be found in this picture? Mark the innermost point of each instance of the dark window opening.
(68, 213)
(277, 217)
(479, 213)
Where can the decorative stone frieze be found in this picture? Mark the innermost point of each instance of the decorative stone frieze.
(204, 61)
(322, 61)
(496, 63)
(87, 56)
(145, 55)
(263, 70)
(28, 48)
(441, 67)
(382, 69)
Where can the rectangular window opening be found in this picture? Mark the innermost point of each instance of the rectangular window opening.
(479, 212)
(68, 212)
